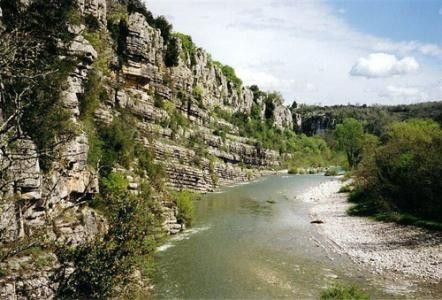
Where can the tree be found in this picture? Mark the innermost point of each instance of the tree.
(172, 53)
(350, 137)
(165, 27)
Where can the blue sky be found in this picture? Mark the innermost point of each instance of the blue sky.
(395, 19)
(321, 51)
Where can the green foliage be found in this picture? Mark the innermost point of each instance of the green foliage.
(230, 74)
(129, 244)
(147, 166)
(349, 136)
(172, 53)
(164, 26)
(99, 40)
(255, 112)
(94, 93)
(224, 114)
(118, 143)
(333, 171)
(375, 119)
(271, 100)
(117, 19)
(38, 72)
(137, 6)
(158, 101)
(311, 152)
(188, 47)
(198, 93)
(185, 207)
(91, 22)
(401, 177)
(343, 292)
(114, 184)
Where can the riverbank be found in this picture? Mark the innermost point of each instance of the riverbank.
(383, 247)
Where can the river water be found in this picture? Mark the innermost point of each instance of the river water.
(255, 241)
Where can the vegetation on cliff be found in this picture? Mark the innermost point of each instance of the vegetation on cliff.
(121, 115)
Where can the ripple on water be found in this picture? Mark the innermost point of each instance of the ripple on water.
(185, 235)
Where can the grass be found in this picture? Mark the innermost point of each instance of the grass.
(344, 292)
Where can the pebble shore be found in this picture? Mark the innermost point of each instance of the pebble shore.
(384, 247)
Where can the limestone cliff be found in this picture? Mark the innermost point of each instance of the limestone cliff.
(180, 113)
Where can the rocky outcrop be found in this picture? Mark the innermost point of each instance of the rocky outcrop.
(95, 8)
(173, 110)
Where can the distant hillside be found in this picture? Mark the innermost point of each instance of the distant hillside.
(313, 119)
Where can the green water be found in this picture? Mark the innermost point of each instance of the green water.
(255, 241)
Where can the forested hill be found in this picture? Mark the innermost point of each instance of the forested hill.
(314, 119)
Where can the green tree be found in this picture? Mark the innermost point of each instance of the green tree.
(350, 137)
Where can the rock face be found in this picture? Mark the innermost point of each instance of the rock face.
(177, 115)
(151, 80)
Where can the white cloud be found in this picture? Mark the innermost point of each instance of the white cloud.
(404, 94)
(383, 65)
(430, 49)
(304, 49)
(262, 79)
(407, 47)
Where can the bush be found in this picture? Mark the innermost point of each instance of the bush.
(185, 207)
(293, 171)
(107, 262)
(230, 74)
(165, 27)
(158, 101)
(333, 171)
(188, 47)
(404, 173)
(172, 53)
(342, 292)
(117, 143)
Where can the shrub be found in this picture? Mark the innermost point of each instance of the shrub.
(158, 101)
(405, 171)
(172, 53)
(118, 143)
(107, 262)
(342, 292)
(185, 207)
(230, 74)
(165, 27)
(293, 171)
(188, 46)
(118, 29)
(91, 22)
(198, 92)
(333, 171)
(154, 171)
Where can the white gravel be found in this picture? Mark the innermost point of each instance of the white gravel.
(381, 246)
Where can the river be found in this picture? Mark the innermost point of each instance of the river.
(256, 241)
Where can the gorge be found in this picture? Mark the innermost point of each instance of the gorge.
(113, 125)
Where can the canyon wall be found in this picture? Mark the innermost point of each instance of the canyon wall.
(179, 114)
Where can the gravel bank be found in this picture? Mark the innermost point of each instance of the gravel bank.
(382, 246)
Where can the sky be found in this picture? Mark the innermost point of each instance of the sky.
(321, 52)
